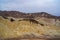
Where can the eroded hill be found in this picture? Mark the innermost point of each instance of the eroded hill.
(29, 26)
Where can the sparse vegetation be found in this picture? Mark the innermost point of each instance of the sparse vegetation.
(13, 27)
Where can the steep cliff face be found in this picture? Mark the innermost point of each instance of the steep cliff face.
(30, 26)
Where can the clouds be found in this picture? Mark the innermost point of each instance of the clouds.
(30, 5)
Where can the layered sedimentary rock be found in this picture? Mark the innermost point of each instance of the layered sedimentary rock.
(17, 25)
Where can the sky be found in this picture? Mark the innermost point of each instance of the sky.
(31, 6)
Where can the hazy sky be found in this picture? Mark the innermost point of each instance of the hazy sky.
(50, 6)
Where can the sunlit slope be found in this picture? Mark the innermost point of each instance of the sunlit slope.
(17, 28)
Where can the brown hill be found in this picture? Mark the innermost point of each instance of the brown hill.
(17, 14)
(16, 25)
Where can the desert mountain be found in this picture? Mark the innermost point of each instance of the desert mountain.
(16, 25)
(27, 15)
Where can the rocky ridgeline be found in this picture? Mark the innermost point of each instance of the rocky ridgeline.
(17, 14)
(55, 20)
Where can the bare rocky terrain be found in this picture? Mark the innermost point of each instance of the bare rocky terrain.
(16, 25)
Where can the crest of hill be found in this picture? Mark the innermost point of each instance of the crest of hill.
(18, 14)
